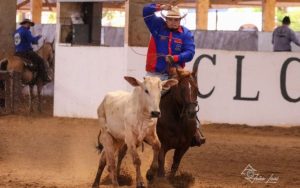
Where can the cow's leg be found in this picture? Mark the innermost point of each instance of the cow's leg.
(31, 98)
(155, 143)
(102, 164)
(121, 155)
(109, 147)
(178, 154)
(137, 163)
(161, 162)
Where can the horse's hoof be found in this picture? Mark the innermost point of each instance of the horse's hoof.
(172, 174)
(160, 174)
(140, 185)
(95, 185)
(150, 175)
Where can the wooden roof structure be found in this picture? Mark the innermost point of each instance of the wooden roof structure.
(202, 7)
(50, 4)
(46, 4)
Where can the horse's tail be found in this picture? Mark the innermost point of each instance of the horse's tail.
(3, 64)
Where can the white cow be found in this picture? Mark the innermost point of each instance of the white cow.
(129, 118)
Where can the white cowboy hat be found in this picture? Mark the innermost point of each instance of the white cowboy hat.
(27, 21)
(173, 13)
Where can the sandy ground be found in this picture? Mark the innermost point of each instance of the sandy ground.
(39, 150)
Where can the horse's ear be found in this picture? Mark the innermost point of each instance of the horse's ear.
(183, 73)
(167, 84)
(133, 81)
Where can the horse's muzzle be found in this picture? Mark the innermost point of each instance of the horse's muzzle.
(155, 114)
(192, 110)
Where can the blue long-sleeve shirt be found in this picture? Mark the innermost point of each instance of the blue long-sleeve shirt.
(179, 43)
(23, 39)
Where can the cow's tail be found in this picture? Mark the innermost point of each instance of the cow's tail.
(99, 147)
(101, 118)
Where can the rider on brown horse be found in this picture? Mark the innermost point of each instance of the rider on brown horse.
(168, 37)
(23, 40)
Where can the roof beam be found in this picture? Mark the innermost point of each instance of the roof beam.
(47, 4)
(20, 5)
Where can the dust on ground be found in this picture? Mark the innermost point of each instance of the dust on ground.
(38, 150)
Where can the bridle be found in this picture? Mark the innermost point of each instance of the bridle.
(186, 105)
(189, 105)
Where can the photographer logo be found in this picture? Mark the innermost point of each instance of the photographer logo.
(252, 175)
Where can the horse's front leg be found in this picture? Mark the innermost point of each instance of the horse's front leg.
(39, 92)
(161, 162)
(178, 154)
(31, 98)
(156, 145)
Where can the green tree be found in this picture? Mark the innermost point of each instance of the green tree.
(294, 15)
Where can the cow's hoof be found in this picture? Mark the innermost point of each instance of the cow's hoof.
(150, 175)
(140, 185)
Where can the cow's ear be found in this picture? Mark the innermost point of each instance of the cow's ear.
(133, 81)
(167, 84)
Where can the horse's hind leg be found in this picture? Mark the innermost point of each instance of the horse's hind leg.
(161, 162)
(178, 154)
(102, 164)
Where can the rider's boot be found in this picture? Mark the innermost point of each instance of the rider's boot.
(47, 79)
(45, 75)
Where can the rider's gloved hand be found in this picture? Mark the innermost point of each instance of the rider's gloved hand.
(40, 36)
(170, 59)
(165, 7)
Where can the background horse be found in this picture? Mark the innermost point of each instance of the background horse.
(46, 51)
(29, 74)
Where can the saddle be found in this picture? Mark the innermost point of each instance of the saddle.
(29, 64)
(30, 71)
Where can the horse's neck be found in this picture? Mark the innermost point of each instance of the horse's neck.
(169, 103)
(40, 50)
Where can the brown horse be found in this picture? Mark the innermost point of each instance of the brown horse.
(29, 74)
(177, 124)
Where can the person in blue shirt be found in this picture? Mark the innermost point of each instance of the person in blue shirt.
(169, 40)
(171, 44)
(23, 40)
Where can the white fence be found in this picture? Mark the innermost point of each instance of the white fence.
(255, 88)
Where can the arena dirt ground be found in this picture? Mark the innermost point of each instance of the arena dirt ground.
(39, 150)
